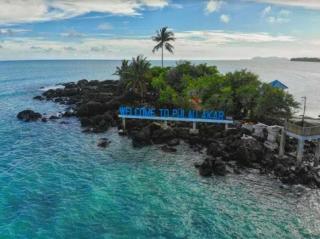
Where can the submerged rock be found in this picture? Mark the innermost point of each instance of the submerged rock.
(173, 142)
(39, 97)
(213, 166)
(29, 115)
(54, 117)
(168, 149)
(103, 143)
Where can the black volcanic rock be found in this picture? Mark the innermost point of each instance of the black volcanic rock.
(250, 151)
(29, 115)
(96, 105)
(90, 109)
(39, 97)
(141, 138)
(168, 149)
(103, 143)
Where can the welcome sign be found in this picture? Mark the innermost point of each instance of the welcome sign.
(212, 116)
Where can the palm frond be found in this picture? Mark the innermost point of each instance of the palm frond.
(157, 47)
(169, 47)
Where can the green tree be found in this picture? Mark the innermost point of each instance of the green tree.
(245, 91)
(239, 94)
(274, 104)
(138, 75)
(162, 38)
(123, 70)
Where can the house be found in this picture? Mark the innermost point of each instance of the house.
(278, 84)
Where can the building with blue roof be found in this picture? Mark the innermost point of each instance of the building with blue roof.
(279, 85)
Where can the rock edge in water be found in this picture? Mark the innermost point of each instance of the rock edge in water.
(96, 105)
(29, 115)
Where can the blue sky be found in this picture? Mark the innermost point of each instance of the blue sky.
(116, 29)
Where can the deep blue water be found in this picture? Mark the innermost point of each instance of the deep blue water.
(56, 183)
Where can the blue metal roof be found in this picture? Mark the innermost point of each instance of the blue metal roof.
(278, 84)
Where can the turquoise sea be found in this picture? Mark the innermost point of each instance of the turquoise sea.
(56, 183)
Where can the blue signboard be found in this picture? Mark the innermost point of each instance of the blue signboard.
(173, 114)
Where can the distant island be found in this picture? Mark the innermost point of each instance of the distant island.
(307, 59)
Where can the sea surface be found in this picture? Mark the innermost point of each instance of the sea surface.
(56, 183)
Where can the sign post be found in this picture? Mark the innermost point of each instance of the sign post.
(183, 115)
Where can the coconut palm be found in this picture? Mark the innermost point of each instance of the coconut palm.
(163, 37)
(123, 70)
(138, 75)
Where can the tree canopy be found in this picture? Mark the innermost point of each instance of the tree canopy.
(239, 94)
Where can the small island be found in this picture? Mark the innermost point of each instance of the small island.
(238, 94)
(306, 59)
(258, 111)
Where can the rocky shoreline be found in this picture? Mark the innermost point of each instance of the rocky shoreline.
(96, 104)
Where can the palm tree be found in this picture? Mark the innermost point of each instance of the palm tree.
(138, 75)
(123, 70)
(163, 37)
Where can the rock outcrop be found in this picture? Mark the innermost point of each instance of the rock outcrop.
(29, 115)
(96, 105)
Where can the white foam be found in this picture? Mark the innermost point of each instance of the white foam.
(53, 87)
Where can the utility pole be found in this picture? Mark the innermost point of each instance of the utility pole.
(304, 109)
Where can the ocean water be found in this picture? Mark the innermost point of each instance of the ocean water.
(56, 183)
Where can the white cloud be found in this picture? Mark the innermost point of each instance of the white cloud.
(273, 19)
(223, 37)
(204, 44)
(69, 48)
(309, 4)
(213, 6)
(284, 13)
(11, 31)
(266, 11)
(21, 11)
(72, 34)
(176, 5)
(224, 18)
(98, 49)
(281, 17)
(105, 26)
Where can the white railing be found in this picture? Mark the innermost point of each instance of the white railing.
(303, 131)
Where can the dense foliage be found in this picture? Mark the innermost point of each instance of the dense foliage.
(135, 76)
(240, 94)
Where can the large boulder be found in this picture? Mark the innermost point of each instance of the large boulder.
(249, 153)
(211, 166)
(219, 167)
(205, 169)
(142, 137)
(28, 115)
(161, 135)
(82, 83)
(215, 149)
(90, 109)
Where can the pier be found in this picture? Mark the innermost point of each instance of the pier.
(309, 130)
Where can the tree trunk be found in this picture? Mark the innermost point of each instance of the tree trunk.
(162, 56)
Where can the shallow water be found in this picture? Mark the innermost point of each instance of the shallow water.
(56, 183)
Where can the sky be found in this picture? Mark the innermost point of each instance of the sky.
(118, 29)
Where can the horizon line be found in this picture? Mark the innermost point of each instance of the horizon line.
(119, 59)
